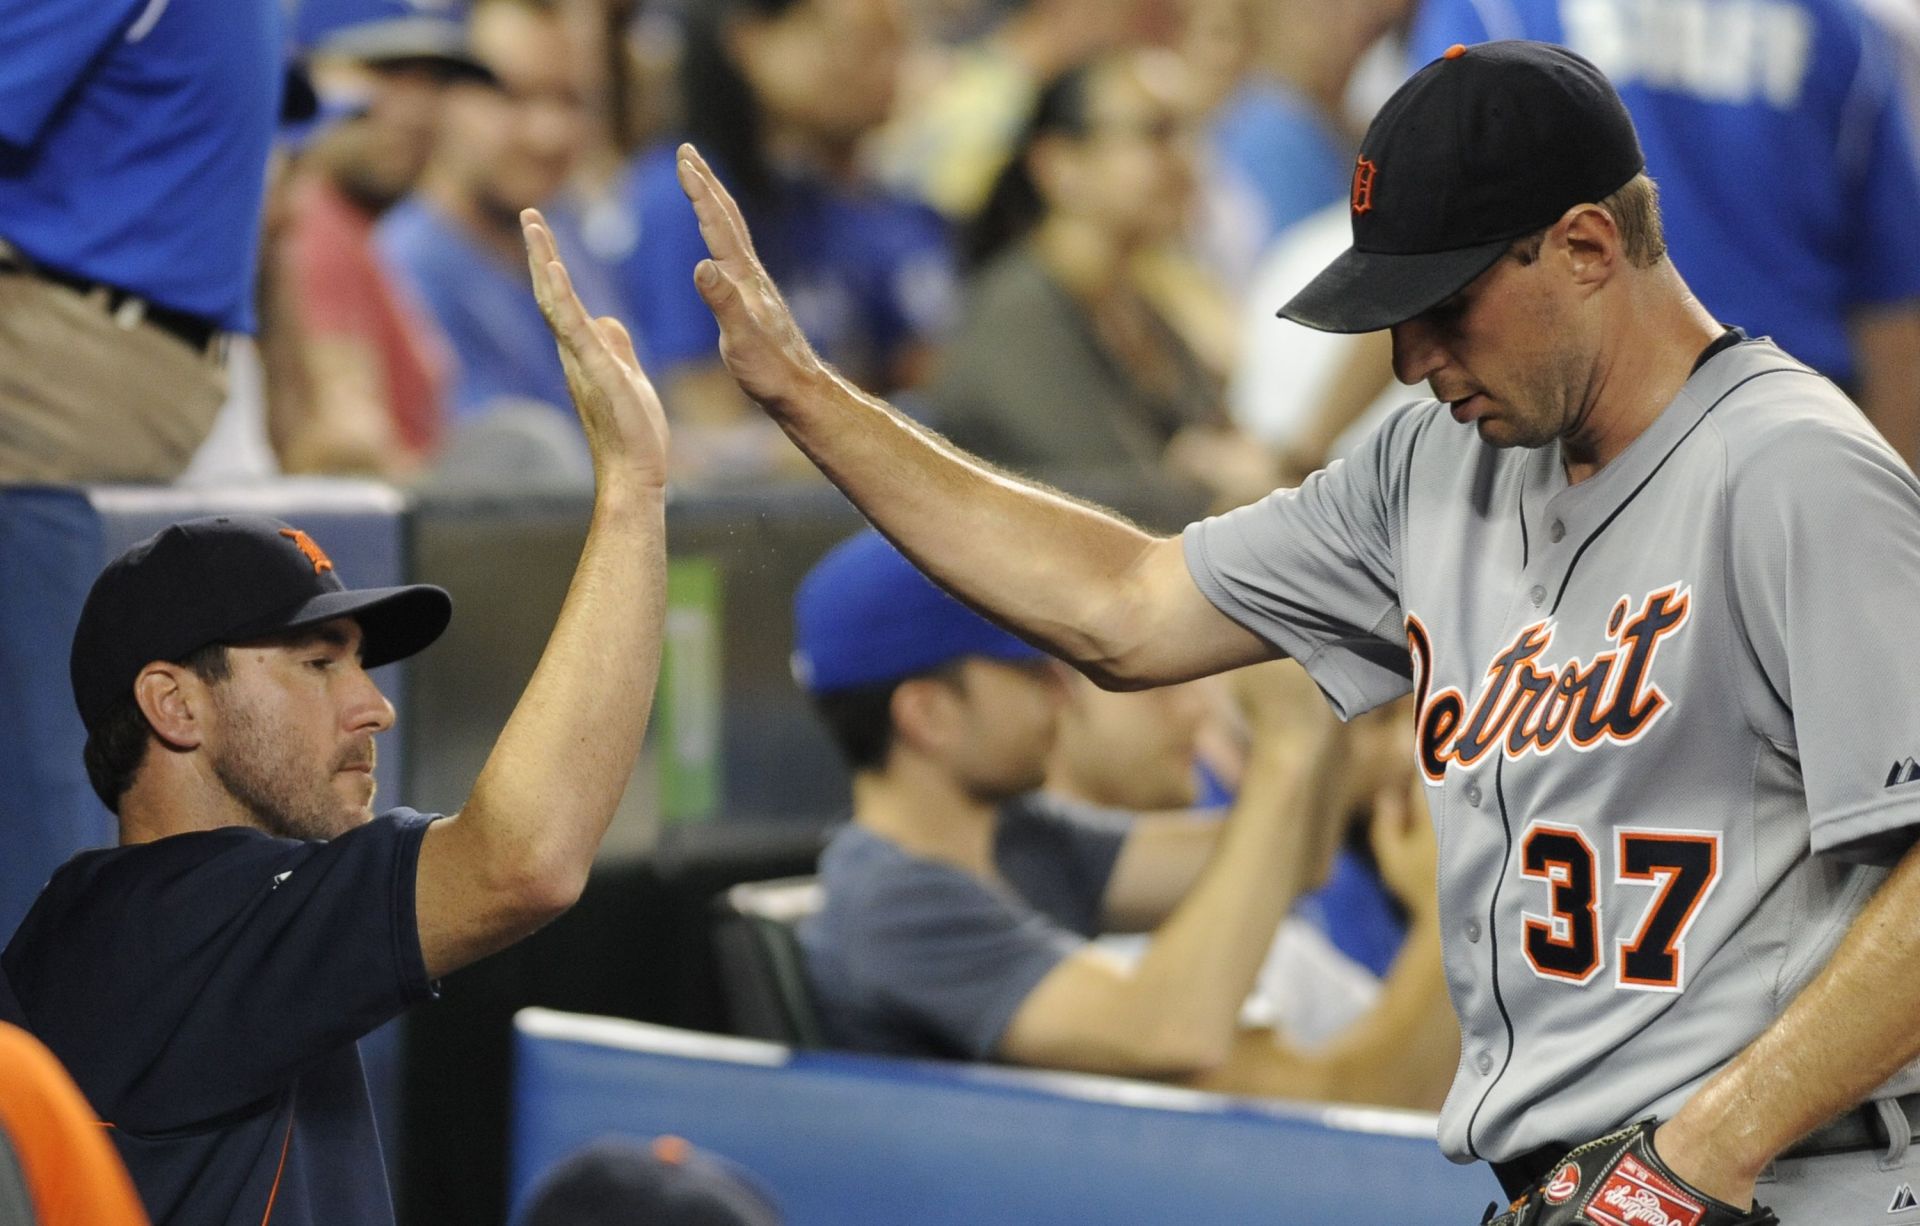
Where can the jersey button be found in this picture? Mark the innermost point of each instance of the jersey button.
(1473, 931)
(1537, 595)
(1485, 1062)
(1472, 794)
(1557, 531)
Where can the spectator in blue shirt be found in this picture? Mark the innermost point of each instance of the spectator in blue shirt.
(1787, 169)
(133, 153)
(207, 980)
(781, 93)
(456, 243)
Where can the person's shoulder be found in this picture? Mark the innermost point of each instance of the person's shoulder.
(1051, 810)
(871, 882)
(1763, 403)
(1787, 433)
(415, 234)
(1423, 427)
(1014, 282)
(113, 884)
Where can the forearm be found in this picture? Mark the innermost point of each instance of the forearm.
(1201, 963)
(556, 774)
(1402, 1053)
(1055, 570)
(1843, 1036)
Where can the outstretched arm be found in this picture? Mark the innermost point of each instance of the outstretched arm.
(1091, 588)
(517, 854)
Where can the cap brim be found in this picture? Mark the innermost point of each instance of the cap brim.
(1365, 291)
(432, 41)
(395, 622)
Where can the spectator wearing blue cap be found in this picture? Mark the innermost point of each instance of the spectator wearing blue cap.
(961, 903)
(133, 153)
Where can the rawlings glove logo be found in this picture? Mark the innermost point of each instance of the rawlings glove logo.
(1565, 1182)
(1636, 1195)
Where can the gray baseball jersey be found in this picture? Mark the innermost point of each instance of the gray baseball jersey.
(1667, 716)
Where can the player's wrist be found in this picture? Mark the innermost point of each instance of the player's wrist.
(1711, 1160)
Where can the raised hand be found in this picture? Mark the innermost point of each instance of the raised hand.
(760, 343)
(619, 410)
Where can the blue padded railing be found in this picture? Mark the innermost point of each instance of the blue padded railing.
(850, 1140)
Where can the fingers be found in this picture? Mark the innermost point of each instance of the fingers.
(721, 225)
(540, 248)
(716, 288)
(619, 340)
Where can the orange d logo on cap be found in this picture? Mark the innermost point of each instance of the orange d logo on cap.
(315, 554)
(1364, 173)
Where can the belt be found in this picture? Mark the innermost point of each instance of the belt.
(1860, 1128)
(128, 309)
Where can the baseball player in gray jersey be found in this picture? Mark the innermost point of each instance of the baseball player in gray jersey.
(1650, 584)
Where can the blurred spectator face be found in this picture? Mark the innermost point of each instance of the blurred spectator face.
(1219, 43)
(997, 725)
(1131, 750)
(376, 157)
(826, 68)
(1131, 171)
(515, 146)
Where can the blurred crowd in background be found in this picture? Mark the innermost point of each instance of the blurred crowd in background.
(1055, 230)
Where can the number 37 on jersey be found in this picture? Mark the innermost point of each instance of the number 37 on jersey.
(1527, 709)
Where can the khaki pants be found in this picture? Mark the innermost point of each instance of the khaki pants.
(85, 399)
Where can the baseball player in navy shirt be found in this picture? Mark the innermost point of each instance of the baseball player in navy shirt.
(1650, 583)
(206, 980)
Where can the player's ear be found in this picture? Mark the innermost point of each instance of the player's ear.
(175, 701)
(1592, 241)
(922, 709)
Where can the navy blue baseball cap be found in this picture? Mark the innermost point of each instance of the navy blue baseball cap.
(230, 579)
(616, 1182)
(1485, 145)
(865, 616)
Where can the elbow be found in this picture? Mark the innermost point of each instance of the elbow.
(1179, 1049)
(1116, 674)
(539, 894)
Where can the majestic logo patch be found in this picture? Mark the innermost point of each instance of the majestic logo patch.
(1565, 1182)
(1364, 173)
(1903, 772)
(315, 554)
(1526, 709)
(1903, 1200)
(1637, 1195)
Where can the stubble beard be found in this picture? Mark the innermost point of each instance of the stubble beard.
(285, 797)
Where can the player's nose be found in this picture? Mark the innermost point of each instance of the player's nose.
(368, 709)
(1417, 351)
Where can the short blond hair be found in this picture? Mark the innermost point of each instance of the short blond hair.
(1635, 210)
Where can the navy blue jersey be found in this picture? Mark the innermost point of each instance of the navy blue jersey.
(207, 990)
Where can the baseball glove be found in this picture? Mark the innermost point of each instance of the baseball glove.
(1617, 1180)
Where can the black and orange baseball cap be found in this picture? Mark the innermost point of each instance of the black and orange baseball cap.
(1484, 145)
(230, 579)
